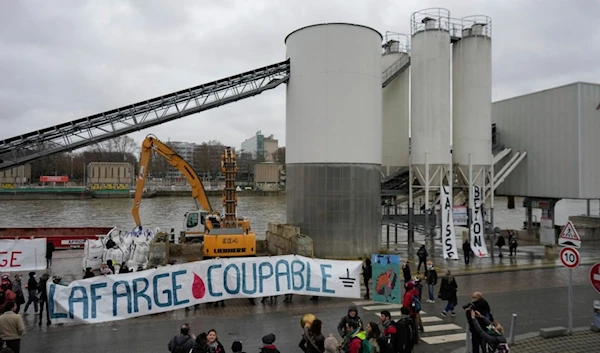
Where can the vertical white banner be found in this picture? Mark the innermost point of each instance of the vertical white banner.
(477, 223)
(448, 232)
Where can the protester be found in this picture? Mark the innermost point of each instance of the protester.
(200, 346)
(411, 304)
(214, 346)
(49, 251)
(354, 339)
(88, 273)
(406, 272)
(491, 334)
(6, 294)
(367, 273)
(17, 288)
(352, 315)
(32, 285)
(105, 270)
(11, 327)
(467, 251)
(182, 343)
(406, 333)
(373, 335)
(432, 278)
(500, 243)
(236, 347)
(480, 305)
(44, 299)
(448, 291)
(268, 344)
(331, 344)
(313, 340)
(422, 255)
(512, 243)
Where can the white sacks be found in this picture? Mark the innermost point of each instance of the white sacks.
(131, 248)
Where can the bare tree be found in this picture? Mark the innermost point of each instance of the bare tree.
(118, 149)
(207, 158)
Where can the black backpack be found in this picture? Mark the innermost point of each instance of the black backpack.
(179, 346)
(405, 333)
(386, 344)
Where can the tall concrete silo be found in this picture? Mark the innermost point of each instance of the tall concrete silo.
(430, 155)
(396, 113)
(333, 133)
(472, 107)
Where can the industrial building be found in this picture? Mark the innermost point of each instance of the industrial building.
(268, 176)
(9, 178)
(262, 148)
(109, 175)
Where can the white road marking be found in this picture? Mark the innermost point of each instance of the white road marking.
(445, 338)
(431, 319)
(383, 307)
(443, 327)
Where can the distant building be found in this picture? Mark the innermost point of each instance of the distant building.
(269, 176)
(109, 175)
(187, 151)
(262, 148)
(16, 175)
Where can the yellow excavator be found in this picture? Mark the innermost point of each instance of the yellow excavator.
(227, 236)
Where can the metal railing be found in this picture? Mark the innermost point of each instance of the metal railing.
(395, 69)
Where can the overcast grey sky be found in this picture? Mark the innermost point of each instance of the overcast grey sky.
(62, 60)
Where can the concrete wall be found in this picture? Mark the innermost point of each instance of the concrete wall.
(588, 228)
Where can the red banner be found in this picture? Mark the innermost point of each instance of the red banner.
(54, 179)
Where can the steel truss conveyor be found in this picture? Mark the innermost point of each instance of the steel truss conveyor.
(86, 131)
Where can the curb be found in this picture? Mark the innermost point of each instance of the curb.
(525, 336)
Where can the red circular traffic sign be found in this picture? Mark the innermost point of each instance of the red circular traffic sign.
(595, 276)
(569, 257)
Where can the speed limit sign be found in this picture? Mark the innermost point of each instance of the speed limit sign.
(569, 257)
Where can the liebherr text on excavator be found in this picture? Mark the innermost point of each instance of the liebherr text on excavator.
(227, 236)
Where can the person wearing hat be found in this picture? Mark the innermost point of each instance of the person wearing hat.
(32, 285)
(268, 344)
(236, 347)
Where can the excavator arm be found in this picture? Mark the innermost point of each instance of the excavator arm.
(150, 144)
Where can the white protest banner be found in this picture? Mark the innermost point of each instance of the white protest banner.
(22, 254)
(448, 233)
(124, 296)
(477, 224)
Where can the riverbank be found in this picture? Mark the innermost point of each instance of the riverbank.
(30, 194)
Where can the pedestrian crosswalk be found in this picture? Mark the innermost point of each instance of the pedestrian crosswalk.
(436, 329)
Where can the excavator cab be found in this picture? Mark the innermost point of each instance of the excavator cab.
(195, 226)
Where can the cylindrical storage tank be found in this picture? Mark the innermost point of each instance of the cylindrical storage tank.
(395, 106)
(472, 94)
(430, 91)
(333, 133)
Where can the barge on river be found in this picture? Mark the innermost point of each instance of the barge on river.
(61, 237)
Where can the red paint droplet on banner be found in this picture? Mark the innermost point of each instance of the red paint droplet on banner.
(198, 287)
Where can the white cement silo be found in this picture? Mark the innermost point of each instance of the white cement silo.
(333, 138)
(472, 98)
(430, 154)
(395, 105)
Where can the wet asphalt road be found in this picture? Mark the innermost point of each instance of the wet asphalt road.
(539, 297)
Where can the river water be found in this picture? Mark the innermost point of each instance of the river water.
(168, 212)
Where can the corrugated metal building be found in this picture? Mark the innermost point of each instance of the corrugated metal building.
(267, 176)
(560, 130)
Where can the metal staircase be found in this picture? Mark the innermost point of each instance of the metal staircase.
(103, 126)
(395, 69)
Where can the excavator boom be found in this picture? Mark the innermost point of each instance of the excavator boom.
(150, 144)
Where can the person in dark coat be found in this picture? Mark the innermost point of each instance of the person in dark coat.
(432, 279)
(500, 243)
(88, 273)
(269, 344)
(32, 286)
(313, 340)
(422, 255)
(44, 299)
(481, 306)
(467, 251)
(352, 315)
(367, 273)
(512, 243)
(491, 334)
(406, 272)
(185, 340)
(49, 251)
(448, 290)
